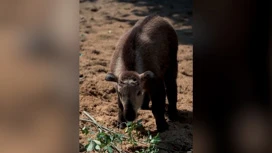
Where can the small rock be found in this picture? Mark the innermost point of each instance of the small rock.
(94, 9)
(105, 96)
(188, 73)
(81, 1)
(91, 18)
(112, 90)
(92, 93)
(87, 31)
(81, 81)
(95, 52)
(101, 70)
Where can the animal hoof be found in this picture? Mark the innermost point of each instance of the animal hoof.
(121, 125)
(172, 115)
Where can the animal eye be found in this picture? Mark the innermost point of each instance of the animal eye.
(139, 93)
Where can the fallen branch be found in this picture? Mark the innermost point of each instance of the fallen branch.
(101, 127)
(92, 120)
(108, 130)
(116, 148)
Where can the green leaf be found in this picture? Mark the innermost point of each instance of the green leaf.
(118, 138)
(111, 137)
(154, 141)
(110, 150)
(89, 139)
(107, 139)
(139, 121)
(90, 147)
(97, 142)
(157, 136)
(85, 130)
(129, 123)
(97, 147)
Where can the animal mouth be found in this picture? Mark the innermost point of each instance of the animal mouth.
(130, 115)
(130, 118)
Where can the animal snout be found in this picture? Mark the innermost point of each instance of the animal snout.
(129, 113)
(130, 116)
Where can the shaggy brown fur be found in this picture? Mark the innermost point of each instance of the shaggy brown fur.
(147, 54)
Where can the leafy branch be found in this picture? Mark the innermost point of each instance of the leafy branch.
(107, 140)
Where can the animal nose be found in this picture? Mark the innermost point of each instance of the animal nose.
(130, 116)
(129, 112)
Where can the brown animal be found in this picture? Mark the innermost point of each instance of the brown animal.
(144, 67)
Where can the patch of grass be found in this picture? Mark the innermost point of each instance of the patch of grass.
(108, 141)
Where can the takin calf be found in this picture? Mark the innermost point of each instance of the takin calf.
(144, 67)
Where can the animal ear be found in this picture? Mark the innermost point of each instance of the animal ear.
(147, 75)
(111, 77)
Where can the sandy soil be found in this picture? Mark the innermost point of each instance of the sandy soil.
(102, 22)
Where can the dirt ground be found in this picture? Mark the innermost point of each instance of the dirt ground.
(102, 22)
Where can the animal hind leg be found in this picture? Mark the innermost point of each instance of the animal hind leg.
(157, 95)
(171, 92)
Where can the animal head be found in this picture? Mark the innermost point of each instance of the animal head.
(130, 89)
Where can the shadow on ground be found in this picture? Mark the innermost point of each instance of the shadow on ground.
(178, 11)
(179, 136)
(185, 36)
(180, 132)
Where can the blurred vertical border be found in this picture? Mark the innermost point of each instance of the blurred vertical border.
(232, 76)
(39, 76)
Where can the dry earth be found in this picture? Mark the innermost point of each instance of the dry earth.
(102, 22)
